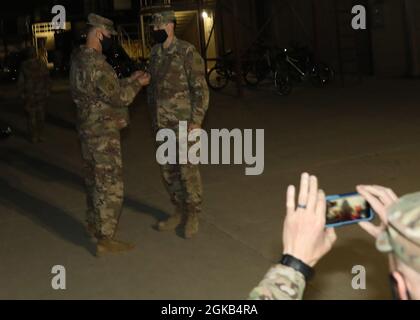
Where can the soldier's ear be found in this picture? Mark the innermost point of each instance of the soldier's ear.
(169, 28)
(99, 35)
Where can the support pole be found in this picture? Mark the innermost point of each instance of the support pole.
(202, 32)
(143, 38)
(316, 19)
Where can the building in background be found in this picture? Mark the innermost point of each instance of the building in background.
(389, 47)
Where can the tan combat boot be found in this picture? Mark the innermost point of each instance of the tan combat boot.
(191, 225)
(112, 246)
(172, 222)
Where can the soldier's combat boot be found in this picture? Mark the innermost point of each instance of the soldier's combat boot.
(191, 225)
(105, 246)
(172, 222)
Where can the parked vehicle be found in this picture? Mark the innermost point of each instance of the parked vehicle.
(5, 132)
(11, 66)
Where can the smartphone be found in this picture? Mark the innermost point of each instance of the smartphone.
(346, 209)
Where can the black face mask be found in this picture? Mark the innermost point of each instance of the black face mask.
(106, 43)
(159, 36)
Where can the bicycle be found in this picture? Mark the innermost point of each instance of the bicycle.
(219, 76)
(299, 65)
(264, 62)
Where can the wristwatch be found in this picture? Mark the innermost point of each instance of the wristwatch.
(300, 266)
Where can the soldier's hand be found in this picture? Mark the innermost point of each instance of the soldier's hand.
(136, 75)
(304, 235)
(380, 199)
(144, 79)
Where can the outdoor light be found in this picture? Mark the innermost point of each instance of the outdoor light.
(205, 15)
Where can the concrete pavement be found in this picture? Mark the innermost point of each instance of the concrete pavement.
(346, 136)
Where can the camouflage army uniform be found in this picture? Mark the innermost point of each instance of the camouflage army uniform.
(280, 283)
(102, 100)
(35, 85)
(402, 236)
(179, 92)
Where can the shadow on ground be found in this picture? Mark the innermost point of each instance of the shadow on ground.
(49, 172)
(50, 217)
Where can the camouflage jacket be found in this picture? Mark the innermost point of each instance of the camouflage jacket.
(280, 283)
(178, 89)
(101, 98)
(34, 80)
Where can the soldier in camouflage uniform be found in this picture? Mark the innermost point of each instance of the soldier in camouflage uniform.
(401, 240)
(102, 102)
(35, 84)
(398, 235)
(305, 238)
(178, 92)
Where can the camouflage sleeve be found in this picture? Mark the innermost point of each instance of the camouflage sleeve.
(280, 283)
(113, 91)
(194, 66)
(125, 82)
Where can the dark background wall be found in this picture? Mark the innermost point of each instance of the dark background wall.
(390, 47)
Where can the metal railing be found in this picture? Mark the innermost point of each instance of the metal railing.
(130, 42)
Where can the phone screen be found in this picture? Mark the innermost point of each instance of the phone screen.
(347, 209)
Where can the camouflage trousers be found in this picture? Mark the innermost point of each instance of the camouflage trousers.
(183, 183)
(103, 181)
(35, 118)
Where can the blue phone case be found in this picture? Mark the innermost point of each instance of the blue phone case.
(346, 223)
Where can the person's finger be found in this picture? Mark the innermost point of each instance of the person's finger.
(380, 193)
(374, 202)
(370, 228)
(303, 191)
(290, 202)
(312, 194)
(321, 208)
(392, 194)
(385, 196)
